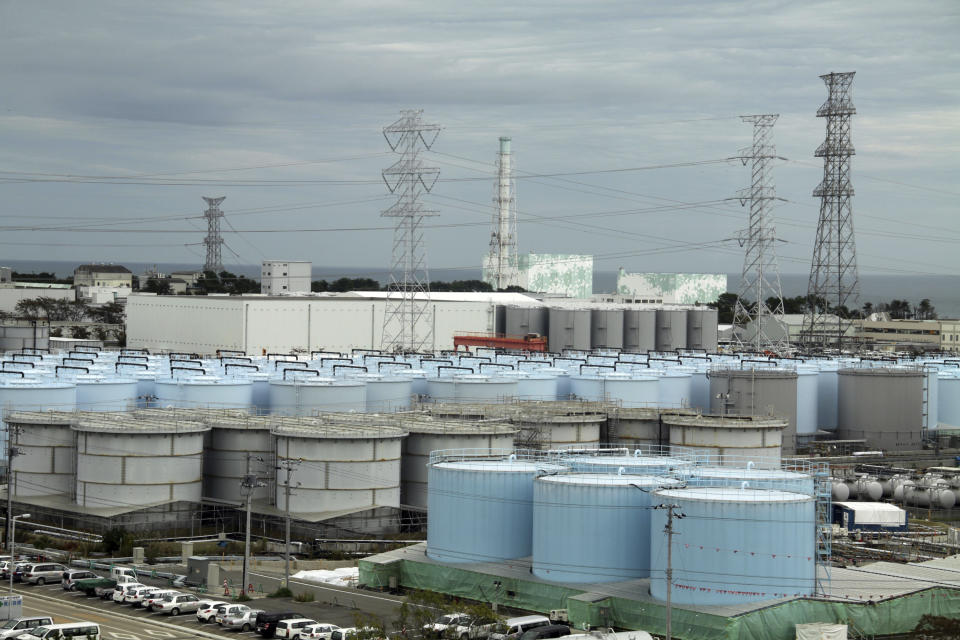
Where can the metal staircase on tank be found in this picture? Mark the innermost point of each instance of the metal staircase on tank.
(824, 508)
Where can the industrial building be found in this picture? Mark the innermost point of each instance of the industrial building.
(569, 275)
(670, 288)
(283, 277)
(102, 275)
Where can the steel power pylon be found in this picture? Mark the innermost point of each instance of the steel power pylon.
(406, 324)
(503, 238)
(760, 280)
(834, 283)
(213, 241)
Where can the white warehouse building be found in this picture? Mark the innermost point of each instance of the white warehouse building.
(281, 277)
(260, 324)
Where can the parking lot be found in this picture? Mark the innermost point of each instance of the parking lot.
(124, 622)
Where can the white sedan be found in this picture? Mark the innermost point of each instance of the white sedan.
(180, 603)
(209, 612)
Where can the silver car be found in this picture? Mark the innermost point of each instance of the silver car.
(179, 603)
(244, 621)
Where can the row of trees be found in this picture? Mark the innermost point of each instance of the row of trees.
(59, 310)
(897, 309)
(369, 284)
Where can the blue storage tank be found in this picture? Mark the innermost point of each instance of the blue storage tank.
(308, 396)
(99, 393)
(755, 478)
(593, 527)
(387, 393)
(482, 510)
(734, 545)
(203, 391)
(631, 464)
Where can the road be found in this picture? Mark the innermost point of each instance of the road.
(123, 622)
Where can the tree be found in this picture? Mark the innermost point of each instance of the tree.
(725, 306)
(80, 332)
(461, 285)
(319, 286)
(354, 284)
(925, 310)
(157, 286)
(110, 313)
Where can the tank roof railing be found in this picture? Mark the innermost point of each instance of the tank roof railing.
(492, 454)
(16, 362)
(14, 356)
(502, 365)
(393, 364)
(334, 354)
(290, 363)
(127, 357)
(117, 365)
(295, 370)
(13, 373)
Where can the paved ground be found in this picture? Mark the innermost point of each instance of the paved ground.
(123, 622)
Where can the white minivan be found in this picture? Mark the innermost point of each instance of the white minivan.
(515, 627)
(67, 631)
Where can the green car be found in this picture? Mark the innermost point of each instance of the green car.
(96, 586)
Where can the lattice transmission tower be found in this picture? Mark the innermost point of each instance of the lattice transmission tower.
(834, 283)
(406, 321)
(759, 307)
(213, 241)
(503, 238)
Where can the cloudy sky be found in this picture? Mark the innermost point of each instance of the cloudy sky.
(116, 117)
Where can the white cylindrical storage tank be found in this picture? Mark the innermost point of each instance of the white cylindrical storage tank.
(99, 393)
(593, 527)
(635, 463)
(343, 466)
(606, 328)
(229, 441)
(807, 402)
(430, 434)
(472, 388)
(671, 329)
(553, 425)
(482, 510)
(735, 545)
(729, 440)
(868, 489)
(839, 491)
(387, 393)
(674, 389)
(309, 396)
(569, 329)
(631, 390)
(123, 460)
(26, 394)
(948, 398)
(533, 385)
(587, 387)
(756, 478)
(203, 391)
(46, 465)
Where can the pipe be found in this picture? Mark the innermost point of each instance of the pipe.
(6, 362)
(346, 366)
(621, 471)
(394, 364)
(313, 371)
(495, 364)
(56, 371)
(201, 370)
(598, 366)
(323, 360)
(19, 373)
(277, 363)
(226, 367)
(452, 367)
(117, 366)
(750, 465)
(744, 485)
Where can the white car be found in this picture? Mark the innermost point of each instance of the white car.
(319, 631)
(155, 597)
(438, 628)
(207, 613)
(122, 589)
(230, 612)
(137, 596)
(179, 603)
(291, 629)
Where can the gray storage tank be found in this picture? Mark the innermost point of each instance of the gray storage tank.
(523, 320)
(569, 329)
(757, 392)
(702, 329)
(671, 329)
(885, 407)
(639, 330)
(46, 465)
(606, 328)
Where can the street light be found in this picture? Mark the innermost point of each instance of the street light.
(13, 542)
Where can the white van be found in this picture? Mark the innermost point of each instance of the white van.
(117, 572)
(68, 631)
(515, 627)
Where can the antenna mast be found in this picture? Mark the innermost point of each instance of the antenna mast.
(405, 322)
(760, 279)
(834, 283)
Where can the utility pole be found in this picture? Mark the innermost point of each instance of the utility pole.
(249, 485)
(12, 452)
(289, 466)
(671, 514)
